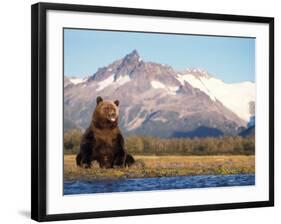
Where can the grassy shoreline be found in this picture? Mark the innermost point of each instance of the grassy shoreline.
(160, 166)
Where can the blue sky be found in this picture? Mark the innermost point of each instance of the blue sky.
(228, 58)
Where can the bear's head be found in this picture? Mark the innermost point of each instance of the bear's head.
(106, 113)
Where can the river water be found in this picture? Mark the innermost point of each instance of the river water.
(157, 183)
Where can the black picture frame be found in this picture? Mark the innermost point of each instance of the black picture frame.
(39, 107)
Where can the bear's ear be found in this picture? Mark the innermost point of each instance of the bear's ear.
(99, 99)
(116, 102)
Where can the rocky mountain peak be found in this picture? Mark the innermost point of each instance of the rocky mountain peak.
(121, 67)
(128, 64)
(134, 55)
(131, 59)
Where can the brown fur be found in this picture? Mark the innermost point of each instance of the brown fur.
(103, 140)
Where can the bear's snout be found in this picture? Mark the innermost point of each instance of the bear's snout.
(112, 116)
(112, 119)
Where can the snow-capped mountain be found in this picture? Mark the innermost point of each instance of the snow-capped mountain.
(157, 100)
(234, 96)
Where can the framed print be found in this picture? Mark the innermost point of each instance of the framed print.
(140, 111)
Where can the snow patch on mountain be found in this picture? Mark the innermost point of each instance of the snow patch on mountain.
(251, 122)
(162, 119)
(122, 80)
(235, 96)
(157, 85)
(136, 122)
(105, 83)
(76, 81)
(196, 83)
(170, 89)
(110, 81)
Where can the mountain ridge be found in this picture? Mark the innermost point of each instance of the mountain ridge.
(145, 88)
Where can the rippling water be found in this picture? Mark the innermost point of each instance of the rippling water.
(157, 183)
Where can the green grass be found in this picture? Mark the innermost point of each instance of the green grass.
(159, 166)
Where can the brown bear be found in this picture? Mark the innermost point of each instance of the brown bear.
(103, 140)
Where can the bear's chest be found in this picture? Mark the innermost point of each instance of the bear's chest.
(106, 138)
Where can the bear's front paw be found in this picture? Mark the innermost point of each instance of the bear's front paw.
(86, 165)
(129, 160)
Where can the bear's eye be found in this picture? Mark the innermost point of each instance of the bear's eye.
(105, 110)
(109, 111)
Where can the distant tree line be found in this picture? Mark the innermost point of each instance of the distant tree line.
(147, 145)
(71, 141)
